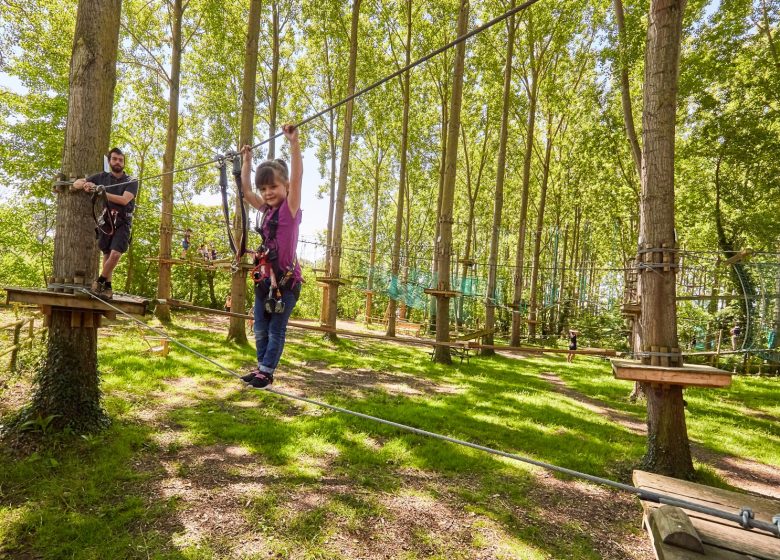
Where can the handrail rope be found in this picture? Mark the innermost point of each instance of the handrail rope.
(745, 518)
(366, 89)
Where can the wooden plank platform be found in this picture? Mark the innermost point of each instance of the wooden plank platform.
(722, 539)
(129, 304)
(690, 375)
(442, 293)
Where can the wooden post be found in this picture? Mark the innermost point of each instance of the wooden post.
(15, 351)
(717, 348)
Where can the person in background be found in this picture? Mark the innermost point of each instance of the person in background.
(572, 345)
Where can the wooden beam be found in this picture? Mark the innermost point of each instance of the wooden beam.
(690, 375)
(674, 527)
(71, 301)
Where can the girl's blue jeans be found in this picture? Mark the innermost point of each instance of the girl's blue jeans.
(271, 328)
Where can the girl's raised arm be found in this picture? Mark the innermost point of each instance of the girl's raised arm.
(246, 179)
(296, 169)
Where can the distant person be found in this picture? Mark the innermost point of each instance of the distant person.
(277, 274)
(735, 331)
(114, 226)
(185, 243)
(212, 253)
(572, 345)
(202, 252)
(228, 302)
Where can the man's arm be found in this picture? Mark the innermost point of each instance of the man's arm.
(120, 199)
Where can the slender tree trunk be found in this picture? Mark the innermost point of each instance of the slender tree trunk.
(338, 218)
(372, 250)
(532, 316)
(668, 450)
(67, 385)
(444, 249)
(529, 139)
(498, 204)
(399, 211)
(237, 328)
(274, 101)
(163, 311)
(331, 208)
(625, 88)
(562, 285)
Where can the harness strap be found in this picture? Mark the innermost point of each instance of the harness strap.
(238, 249)
(99, 198)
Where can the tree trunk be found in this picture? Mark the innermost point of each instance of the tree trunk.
(625, 88)
(237, 328)
(273, 105)
(163, 311)
(67, 386)
(533, 310)
(668, 449)
(399, 211)
(331, 207)
(341, 196)
(372, 250)
(529, 139)
(498, 204)
(444, 249)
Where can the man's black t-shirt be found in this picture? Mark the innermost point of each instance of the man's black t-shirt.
(112, 187)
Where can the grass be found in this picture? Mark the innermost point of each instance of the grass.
(287, 479)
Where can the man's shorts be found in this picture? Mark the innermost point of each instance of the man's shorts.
(119, 241)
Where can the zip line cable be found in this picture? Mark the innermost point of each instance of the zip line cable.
(457, 41)
(745, 517)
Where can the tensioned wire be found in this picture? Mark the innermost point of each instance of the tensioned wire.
(366, 89)
(744, 518)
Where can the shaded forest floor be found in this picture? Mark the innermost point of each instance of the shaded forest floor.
(195, 465)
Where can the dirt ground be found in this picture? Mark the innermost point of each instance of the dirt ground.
(216, 485)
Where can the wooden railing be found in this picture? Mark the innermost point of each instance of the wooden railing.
(17, 342)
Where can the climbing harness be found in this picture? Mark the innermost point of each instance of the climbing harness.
(104, 215)
(238, 249)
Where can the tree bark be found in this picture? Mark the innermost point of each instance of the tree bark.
(529, 139)
(341, 196)
(67, 387)
(444, 245)
(625, 88)
(399, 211)
(372, 249)
(498, 204)
(163, 311)
(668, 449)
(532, 315)
(237, 328)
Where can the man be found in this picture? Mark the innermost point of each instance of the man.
(114, 240)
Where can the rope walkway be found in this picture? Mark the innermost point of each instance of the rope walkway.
(744, 518)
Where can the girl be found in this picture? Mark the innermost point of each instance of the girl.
(277, 275)
(572, 345)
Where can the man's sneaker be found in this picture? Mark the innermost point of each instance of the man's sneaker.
(107, 293)
(98, 287)
(261, 379)
(250, 376)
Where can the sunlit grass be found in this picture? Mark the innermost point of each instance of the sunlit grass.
(95, 497)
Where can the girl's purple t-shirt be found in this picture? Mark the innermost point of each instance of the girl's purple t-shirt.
(286, 241)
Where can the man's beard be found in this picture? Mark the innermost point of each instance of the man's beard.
(117, 168)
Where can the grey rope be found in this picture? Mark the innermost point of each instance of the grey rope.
(366, 89)
(648, 495)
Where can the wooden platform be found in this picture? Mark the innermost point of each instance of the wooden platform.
(78, 302)
(442, 293)
(721, 539)
(690, 375)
